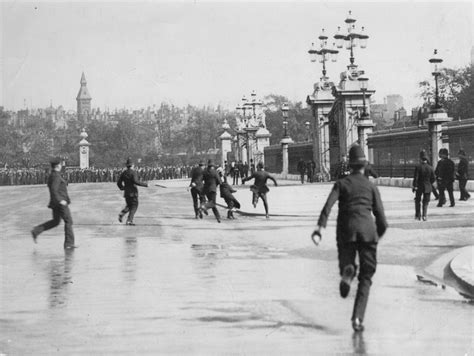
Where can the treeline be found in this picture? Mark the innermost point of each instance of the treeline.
(169, 136)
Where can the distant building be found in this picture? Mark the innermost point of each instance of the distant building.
(394, 103)
(83, 101)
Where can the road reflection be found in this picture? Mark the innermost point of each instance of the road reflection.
(130, 259)
(60, 275)
(358, 344)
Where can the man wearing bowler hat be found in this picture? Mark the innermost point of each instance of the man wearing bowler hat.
(59, 203)
(422, 185)
(211, 181)
(357, 232)
(463, 175)
(197, 186)
(128, 182)
(445, 175)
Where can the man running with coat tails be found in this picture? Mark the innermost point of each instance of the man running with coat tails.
(211, 181)
(197, 185)
(259, 188)
(59, 204)
(357, 232)
(128, 182)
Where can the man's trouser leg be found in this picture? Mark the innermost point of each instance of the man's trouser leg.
(426, 201)
(68, 231)
(49, 224)
(132, 204)
(195, 194)
(442, 197)
(449, 188)
(211, 197)
(368, 264)
(418, 195)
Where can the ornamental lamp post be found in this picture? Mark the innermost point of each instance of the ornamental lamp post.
(324, 54)
(307, 124)
(351, 38)
(436, 72)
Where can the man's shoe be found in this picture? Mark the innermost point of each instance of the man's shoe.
(203, 210)
(120, 217)
(417, 218)
(439, 205)
(131, 223)
(424, 218)
(34, 235)
(218, 220)
(345, 284)
(357, 325)
(69, 247)
(267, 216)
(451, 205)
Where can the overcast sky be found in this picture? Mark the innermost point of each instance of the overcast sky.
(139, 54)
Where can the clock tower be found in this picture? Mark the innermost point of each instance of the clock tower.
(83, 101)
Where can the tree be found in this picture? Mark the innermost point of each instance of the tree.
(456, 92)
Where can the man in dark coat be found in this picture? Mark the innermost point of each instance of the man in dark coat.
(259, 188)
(463, 175)
(59, 203)
(301, 168)
(226, 194)
(211, 181)
(197, 186)
(445, 175)
(128, 182)
(357, 232)
(343, 169)
(369, 171)
(422, 184)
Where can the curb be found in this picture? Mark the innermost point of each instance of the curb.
(462, 267)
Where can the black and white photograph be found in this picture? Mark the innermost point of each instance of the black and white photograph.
(236, 177)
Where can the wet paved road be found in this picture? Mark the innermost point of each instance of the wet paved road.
(174, 285)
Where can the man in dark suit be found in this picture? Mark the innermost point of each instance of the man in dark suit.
(445, 175)
(197, 185)
(463, 175)
(128, 182)
(59, 203)
(301, 168)
(211, 181)
(357, 232)
(422, 184)
(259, 188)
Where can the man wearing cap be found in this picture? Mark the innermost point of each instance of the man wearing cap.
(211, 181)
(59, 203)
(357, 232)
(463, 175)
(128, 182)
(445, 175)
(422, 184)
(197, 185)
(259, 188)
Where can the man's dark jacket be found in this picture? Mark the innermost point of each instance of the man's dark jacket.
(358, 199)
(424, 177)
(57, 190)
(128, 182)
(197, 176)
(445, 171)
(211, 180)
(463, 167)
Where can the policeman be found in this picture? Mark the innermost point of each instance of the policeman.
(357, 232)
(128, 182)
(59, 203)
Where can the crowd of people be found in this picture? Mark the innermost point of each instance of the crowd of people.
(90, 175)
